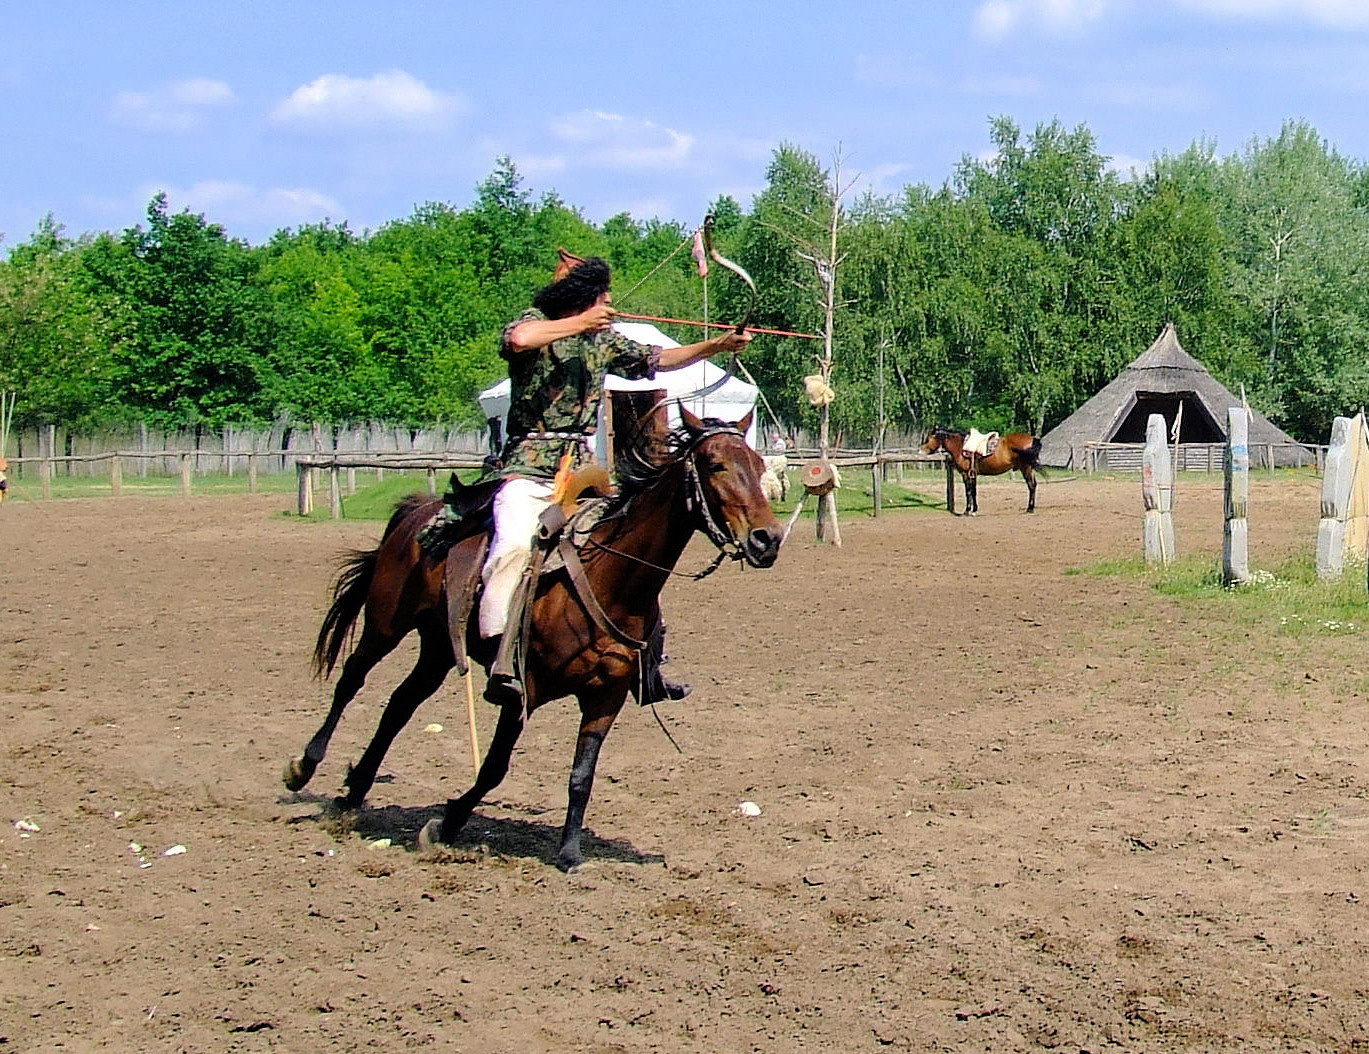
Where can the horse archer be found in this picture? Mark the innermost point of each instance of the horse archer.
(586, 624)
(1016, 450)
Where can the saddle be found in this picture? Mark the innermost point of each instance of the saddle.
(460, 534)
(981, 444)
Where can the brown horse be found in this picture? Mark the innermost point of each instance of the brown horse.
(585, 639)
(1016, 450)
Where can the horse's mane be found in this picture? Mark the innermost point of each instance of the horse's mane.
(642, 465)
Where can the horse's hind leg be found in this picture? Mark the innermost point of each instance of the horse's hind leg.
(1029, 474)
(435, 660)
(971, 495)
(492, 772)
(372, 647)
(594, 727)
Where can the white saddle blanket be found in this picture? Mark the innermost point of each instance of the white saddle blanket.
(981, 443)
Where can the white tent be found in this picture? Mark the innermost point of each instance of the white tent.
(731, 401)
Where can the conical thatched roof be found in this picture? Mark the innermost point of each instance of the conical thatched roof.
(1161, 380)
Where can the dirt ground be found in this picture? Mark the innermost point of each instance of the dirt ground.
(1003, 807)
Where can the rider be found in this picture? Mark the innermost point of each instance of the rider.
(558, 352)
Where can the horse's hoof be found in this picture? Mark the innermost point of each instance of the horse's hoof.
(297, 774)
(569, 864)
(430, 837)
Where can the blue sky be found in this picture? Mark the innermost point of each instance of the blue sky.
(265, 115)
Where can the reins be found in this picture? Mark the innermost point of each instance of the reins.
(695, 502)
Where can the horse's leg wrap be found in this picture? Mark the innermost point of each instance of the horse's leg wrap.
(581, 783)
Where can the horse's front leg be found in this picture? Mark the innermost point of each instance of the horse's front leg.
(971, 493)
(595, 722)
(492, 772)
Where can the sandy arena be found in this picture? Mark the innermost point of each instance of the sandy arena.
(1003, 807)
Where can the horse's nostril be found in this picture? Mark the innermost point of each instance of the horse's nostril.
(763, 541)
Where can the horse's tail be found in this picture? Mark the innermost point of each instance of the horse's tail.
(1032, 455)
(350, 591)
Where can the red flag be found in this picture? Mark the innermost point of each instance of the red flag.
(700, 256)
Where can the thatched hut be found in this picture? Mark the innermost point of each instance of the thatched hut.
(1163, 380)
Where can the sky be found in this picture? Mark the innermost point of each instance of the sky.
(264, 115)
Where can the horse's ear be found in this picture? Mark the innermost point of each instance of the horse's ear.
(691, 421)
(744, 425)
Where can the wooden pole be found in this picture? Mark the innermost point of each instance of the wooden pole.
(251, 472)
(334, 494)
(1236, 464)
(185, 475)
(950, 487)
(116, 476)
(305, 479)
(470, 718)
(1157, 492)
(1335, 500)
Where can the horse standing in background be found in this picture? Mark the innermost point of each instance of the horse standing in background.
(1016, 450)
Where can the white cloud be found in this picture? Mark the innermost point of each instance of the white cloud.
(176, 107)
(236, 205)
(390, 99)
(613, 141)
(1341, 14)
(996, 19)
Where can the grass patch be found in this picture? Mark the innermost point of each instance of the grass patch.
(1290, 598)
(28, 488)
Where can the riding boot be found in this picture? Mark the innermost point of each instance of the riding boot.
(505, 683)
(655, 687)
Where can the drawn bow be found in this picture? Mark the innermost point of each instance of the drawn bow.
(730, 265)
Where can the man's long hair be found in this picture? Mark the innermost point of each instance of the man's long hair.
(576, 292)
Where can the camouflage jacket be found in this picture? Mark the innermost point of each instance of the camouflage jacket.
(554, 394)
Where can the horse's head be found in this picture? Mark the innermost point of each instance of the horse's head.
(726, 493)
(933, 443)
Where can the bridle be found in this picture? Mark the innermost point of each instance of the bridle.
(701, 514)
(696, 502)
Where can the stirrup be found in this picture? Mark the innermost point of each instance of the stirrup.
(504, 690)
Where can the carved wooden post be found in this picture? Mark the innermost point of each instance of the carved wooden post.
(1235, 558)
(1342, 527)
(1157, 495)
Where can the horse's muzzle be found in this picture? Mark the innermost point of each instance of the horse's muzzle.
(762, 547)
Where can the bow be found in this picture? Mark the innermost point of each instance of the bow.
(736, 268)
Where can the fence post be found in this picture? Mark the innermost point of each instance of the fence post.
(116, 476)
(305, 478)
(950, 486)
(432, 482)
(334, 493)
(185, 475)
(1236, 466)
(877, 486)
(251, 472)
(1157, 495)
